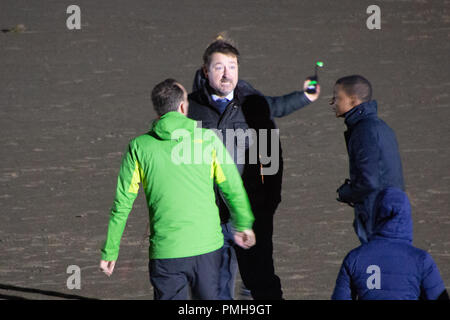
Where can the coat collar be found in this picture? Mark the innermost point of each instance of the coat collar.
(361, 111)
(201, 91)
(170, 122)
(204, 95)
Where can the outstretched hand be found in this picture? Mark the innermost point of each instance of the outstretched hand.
(311, 96)
(245, 239)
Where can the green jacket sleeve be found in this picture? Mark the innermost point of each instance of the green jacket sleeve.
(126, 193)
(230, 183)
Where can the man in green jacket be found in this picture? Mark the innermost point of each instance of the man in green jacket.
(177, 164)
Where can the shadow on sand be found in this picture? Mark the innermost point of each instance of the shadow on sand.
(16, 289)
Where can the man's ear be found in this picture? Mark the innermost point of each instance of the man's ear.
(355, 101)
(182, 108)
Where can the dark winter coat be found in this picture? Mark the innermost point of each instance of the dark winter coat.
(374, 159)
(249, 109)
(388, 267)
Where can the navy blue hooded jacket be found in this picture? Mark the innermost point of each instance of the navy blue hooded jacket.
(374, 159)
(388, 267)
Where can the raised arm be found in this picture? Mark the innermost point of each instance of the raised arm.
(284, 105)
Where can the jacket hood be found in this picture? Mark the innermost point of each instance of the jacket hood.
(165, 126)
(361, 111)
(393, 215)
(199, 80)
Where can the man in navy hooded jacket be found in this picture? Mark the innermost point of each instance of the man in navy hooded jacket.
(388, 267)
(372, 149)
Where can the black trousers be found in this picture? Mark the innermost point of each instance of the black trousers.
(256, 264)
(173, 279)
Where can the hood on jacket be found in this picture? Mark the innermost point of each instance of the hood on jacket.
(393, 215)
(199, 80)
(165, 126)
(361, 111)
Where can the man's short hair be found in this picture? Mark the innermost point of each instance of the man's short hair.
(356, 85)
(166, 96)
(220, 45)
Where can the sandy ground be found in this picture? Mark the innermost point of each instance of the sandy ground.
(70, 100)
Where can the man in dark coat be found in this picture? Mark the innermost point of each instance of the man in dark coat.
(372, 149)
(388, 267)
(223, 102)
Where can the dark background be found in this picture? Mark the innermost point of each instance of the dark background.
(70, 100)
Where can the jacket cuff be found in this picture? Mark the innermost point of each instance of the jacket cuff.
(305, 99)
(109, 256)
(302, 100)
(345, 193)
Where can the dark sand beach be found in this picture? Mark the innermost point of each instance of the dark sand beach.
(70, 100)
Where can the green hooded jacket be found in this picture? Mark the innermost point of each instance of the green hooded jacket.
(177, 164)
